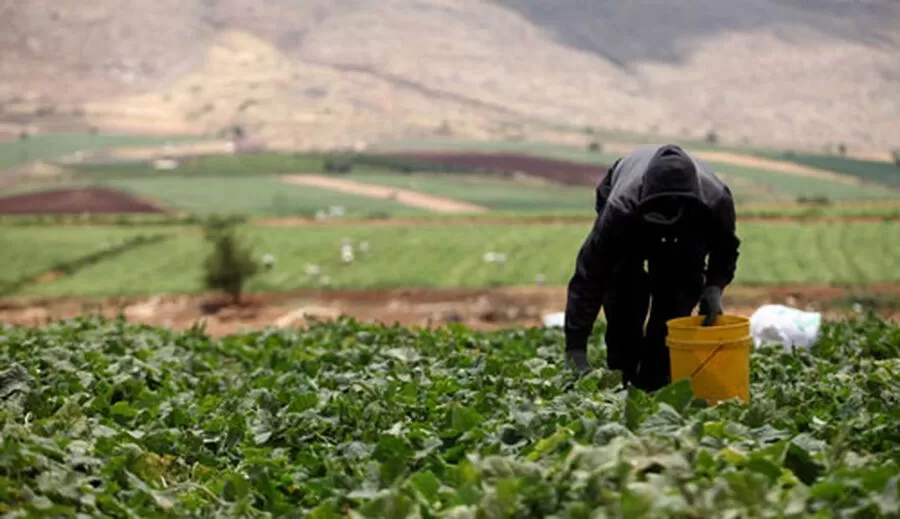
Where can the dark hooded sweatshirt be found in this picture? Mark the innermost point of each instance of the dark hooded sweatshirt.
(645, 174)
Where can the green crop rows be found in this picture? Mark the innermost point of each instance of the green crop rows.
(873, 171)
(452, 255)
(258, 196)
(101, 418)
(31, 252)
(495, 194)
(43, 147)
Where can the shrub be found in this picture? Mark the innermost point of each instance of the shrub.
(338, 165)
(712, 137)
(230, 263)
(896, 154)
(595, 146)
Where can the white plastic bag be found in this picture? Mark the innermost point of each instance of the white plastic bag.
(555, 320)
(782, 324)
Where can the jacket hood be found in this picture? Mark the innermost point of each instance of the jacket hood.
(671, 172)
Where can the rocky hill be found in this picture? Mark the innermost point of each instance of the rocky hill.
(332, 72)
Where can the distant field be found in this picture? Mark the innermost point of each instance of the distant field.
(251, 195)
(215, 165)
(33, 251)
(782, 187)
(452, 256)
(750, 184)
(42, 147)
(869, 170)
(541, 149)
(495, 194)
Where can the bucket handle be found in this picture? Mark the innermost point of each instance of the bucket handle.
(703, 364)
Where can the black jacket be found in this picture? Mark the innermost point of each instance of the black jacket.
(645, 173)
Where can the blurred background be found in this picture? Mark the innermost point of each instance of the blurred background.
(427, 161)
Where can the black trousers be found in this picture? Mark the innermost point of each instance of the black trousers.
(669, 287)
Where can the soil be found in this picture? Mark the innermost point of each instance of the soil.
(401, 196)
(557, 170)
(479, 309)
(76, 201)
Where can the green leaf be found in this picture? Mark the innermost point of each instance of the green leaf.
(465, 419)
(801, 463)
(637, 407)
(549, 445)
(764, 466)
(678, 395)
(426, 484)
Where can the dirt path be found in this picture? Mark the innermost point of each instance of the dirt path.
(402, 196)
(480, 309)
(750, 161)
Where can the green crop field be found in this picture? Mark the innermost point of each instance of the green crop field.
(31, 251)
(452, 255)
(873, 171)
(750, 184)
(783, 187)
(215, 165)
(495, 194)
(105, 418)
(251, 195)
(43, 147)
(541, 149)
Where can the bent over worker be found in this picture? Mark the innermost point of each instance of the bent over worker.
(660, 213)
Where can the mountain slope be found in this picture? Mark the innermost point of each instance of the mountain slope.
(799, 72)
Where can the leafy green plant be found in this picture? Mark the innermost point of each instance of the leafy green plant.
(105, 418)
(231, 262)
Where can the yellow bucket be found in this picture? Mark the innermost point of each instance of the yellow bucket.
(715, 358)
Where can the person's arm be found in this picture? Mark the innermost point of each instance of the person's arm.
(724, 250)
(596, 260)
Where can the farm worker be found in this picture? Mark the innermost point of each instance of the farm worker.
(660, 212)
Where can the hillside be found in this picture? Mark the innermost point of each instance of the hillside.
(798, 72)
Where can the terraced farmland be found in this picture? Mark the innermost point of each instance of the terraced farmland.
(42, 147)
(252, 195)
(495, 194)
(872, 171)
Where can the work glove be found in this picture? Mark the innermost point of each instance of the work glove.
(577, 360)
(712, 300)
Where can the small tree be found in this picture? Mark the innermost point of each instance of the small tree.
(595, 146)
(896, 154)
(230, 263)
(712, 137)
(842, 149)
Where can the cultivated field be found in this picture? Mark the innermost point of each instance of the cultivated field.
(257, 195)
(342, 418)
(346, 419)
(75, 201)
(43, 147)
(29, 252)
(872, 171)
(496, 194)
(453, 256)
(406, 197)
(515, 206)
